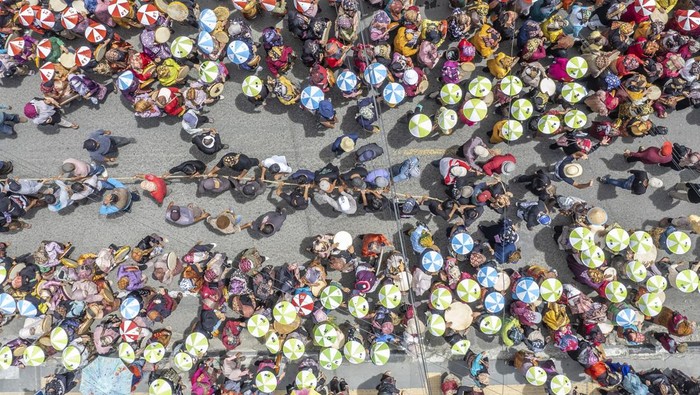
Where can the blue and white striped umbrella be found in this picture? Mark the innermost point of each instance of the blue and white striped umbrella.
(207, 20)
(130, 308)
(494, 302)
(311, 96)
(27, 308)
(125, 80)
(431, 261)
(376, 73)
(346, 81)
(462, 243)
(527, 290)
(487, 276)
(205, 42)
(7, 304)
(238, 52)
(627, 317)
(394, 93)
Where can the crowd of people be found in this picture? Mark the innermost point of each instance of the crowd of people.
(551, 66)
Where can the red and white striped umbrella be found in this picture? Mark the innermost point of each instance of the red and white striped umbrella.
(148, 14)
(129, 331)
(43, 48)
(304, 303)
(70, 18)
(268, 5)
(26, 15)
(47, 71)
(644, 7)
(239, 4)
(688, 20)
(83, 55)
(119, 8)
(45, 19)
(96, 32)
(303, 5)
(15, 46)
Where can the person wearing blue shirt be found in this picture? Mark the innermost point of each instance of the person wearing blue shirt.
(344, 143)
(118, 199)
(410, 168)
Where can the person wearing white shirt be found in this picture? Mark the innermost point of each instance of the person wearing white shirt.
(277, 165)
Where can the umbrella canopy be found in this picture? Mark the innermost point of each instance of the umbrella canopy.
(636, 271)
(389, 296)
(641, 241)
(627, 317)
(548, 124)
(460, 347)
(154, 352)
(468, 290)
(130, 308)
(447, 119)
(43, 48)
(521, 109)
(330, 358)
(593, 257)
(3, 274)
(70, 17)
(656, 283)
(311, 97)
(126, 353)
(129, 331)
(183, 361)
(480, 86)
(207, 20)
(15, 46)
(490, 325)
(431, 261)
(354, 352)
(512, 130)
(284, 313)
(83, 56)
(380, 353)
(33, 356)
(196, 343)
(331, 297)
(650, 304)
(293, 349)
(358, 306)
(560, 385)
(26, 15)
(462, 243)
(487, 276)
(551, 290)
(304, 303)
(450, 94)
(325, 334)
(576, 67)
(420, 125)
(272, 342)
(205, 42)
(687, 281)
(436, 324)
(678, 242)
(303, 5)
(617, 239)
(575, 119)
(58, 338)
(208, 71)
(346, 81)
(688, 20)
(441, 298)
(95, 32)
(475, 110)
(6, 357)
(644, 7)
(615, 291)
(105, 376)
(535, 375)
(393, 93)
(238, 52)
(182, 46)
(125, 80)
(573, 92)
(511, 85)
(148, 14)
(494, 302)
(252, 86)
(7, 304)
(46, 19)
(306, 379)
(71, 358)
(160, 387)
(26, 308)
(527, 290)
(266, 381)
(239, 4)
(375, 73)
(119, 8)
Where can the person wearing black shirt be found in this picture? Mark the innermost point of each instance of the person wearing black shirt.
(189, 168)
(637, 182)
(298, 198)
(686, 191)
(236, 162)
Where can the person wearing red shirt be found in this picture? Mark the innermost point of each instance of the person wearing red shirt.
(155, 186)
(500, 164)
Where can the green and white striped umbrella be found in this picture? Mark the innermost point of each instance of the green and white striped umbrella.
(154, 352)
(181, 47)
(511, 85)
(293, 349)
(535, 375)
(548, 124)
(617, 239)
(447, 119)
(6, 357)
(678, 242)
(512, 130)
(450, 93)
(573, 92)
(208, 71)
(284, 313)
(71, 358)
(160, 387)
(252, 86)
(576, 67)
(575, 119)
(593, 257)
(490, 324)
(551, 290)
(475, 110)
(126, 353)
(258, 325)
(325, 335)
(650, 304)
(266, 382)
(183, 361)
(657, 283)
(380, 353)
(420, 125)
(560, 385)
(197, 344)
(306, 379)
(641, 241)
(480, 86)
(636, 271)
(354, 352)
(461, 347)
(272, 342)
(468, 290)
(3, 274)
(330, 358)
(581, 238)
(358, 306)
(436, 324)
(615, 291)
(687, 281)
(521, 109)
(331, 297)
(34, 356)
(58, 338)
(389, 296)
(441, 298)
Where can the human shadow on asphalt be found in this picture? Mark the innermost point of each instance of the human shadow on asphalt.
(501, 366)
(617, 162)
(150, 123)
(607, 192)
(660, 199)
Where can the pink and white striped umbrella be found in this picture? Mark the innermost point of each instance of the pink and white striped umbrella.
(688, 20)
(644, 7)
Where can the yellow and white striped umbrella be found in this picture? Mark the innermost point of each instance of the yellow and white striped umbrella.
(447, 119)
(511, 85)
(258, 325)
(420, 125)
(160, 387)
(548, 124)
(306, 379)
(293, 349)
(641, 241)
(450, 94)
(581, 238)
(636, 271)
(551, 290)
(576, 67)
(6, 357)
(330, 358)
(468, 290)
(34, 356)
(575, 119)
(436, 325)
(678, 242)
(58, 338)
(480, 86)
(183, 361)
(657, 284)
(208, 71)
(475, 110)
(441, 298)
(126, 353)
(490, 324)
(615, 291)
(573, 92)
(272, 342)
(593, 257)
(380, 353)
(266, 382)
(284, 313)
(460, 347)
(617, 239)
(650, 304)
(71, 358)
(535, 375)
(358, 306)
(154, 352)
(687, 281)
(521, 109)
(197, 344)
(354, 352)
(512, 130)
(560, 385)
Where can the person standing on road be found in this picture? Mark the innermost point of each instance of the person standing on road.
(8, 121)
(47, 112)
(103, 147)
(271, 222)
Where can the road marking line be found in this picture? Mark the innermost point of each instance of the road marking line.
(421, 151)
